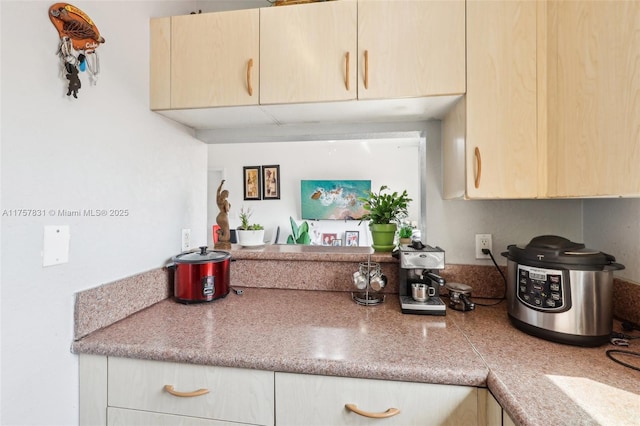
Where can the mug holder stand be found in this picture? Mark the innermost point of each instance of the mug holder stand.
(368, 297)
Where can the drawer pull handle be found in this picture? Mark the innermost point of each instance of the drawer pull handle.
(174, 392)
(389, 413)
(249, 87)
(479, 167)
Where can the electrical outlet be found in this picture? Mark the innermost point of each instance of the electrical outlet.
(483, 241)
(186, 239)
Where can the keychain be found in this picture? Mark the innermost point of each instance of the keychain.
(79, 39)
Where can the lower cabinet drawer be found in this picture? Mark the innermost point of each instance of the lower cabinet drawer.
(124, 417)
(321, 400)
(232, 394)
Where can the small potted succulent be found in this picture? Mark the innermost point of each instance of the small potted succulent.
(249, 235)
(405, 233)
(384, 210)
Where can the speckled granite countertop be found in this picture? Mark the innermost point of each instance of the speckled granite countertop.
(322, 332)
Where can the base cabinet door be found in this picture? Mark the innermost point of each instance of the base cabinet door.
(323, 400)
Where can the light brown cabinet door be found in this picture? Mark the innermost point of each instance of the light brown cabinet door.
(409, 48)
(160, 63)
(594, 113)
(305, 399)
(215, 59)
(307, 52)
(501, 115)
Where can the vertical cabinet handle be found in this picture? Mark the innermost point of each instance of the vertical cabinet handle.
(173, 392)
(249, 66)
(366, 69)
(478, 167)
(346, 73)
(386, 414)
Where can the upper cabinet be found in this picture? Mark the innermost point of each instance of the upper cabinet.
(552, 106)
(345, 50)
(307, 52)
(212, 60)
(320, 52)
(491, 144)
(409, 48)
(594, 98)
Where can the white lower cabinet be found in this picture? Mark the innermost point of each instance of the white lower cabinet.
(322, 400)
(123, 391)
(119, 416)
(491, 411)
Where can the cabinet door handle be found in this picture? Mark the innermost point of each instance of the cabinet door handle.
(366, 69)
(249, 66)
(173, 392)
(389, 413)
(478, 167)
(346, 79)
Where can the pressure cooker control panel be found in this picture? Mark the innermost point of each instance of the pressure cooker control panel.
(542, 289)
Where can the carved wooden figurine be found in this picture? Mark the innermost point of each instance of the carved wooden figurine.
(224, 235)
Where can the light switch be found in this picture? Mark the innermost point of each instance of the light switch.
(56, 245)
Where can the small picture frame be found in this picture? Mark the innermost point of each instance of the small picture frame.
(327, 239)
(352, 238)
(252, 182)
(271, 182)
(336, 242)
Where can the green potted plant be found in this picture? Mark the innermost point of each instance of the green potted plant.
(384, 210)
(249, 234)
(299, 234)
(405, 233)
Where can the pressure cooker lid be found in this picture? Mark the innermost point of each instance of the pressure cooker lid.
(558, 250)
(203, 256)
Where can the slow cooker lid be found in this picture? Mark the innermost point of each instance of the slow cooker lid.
(559, 250)
(203, 256)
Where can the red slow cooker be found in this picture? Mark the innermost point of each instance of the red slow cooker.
(201, 276)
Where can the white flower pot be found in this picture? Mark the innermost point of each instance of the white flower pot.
(250, 238)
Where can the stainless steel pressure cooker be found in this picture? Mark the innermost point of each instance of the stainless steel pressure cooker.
(561, 291)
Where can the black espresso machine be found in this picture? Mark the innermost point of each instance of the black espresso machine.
(419, 284)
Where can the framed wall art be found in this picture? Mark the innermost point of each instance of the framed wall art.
(251, 182)
(352, 238)
(333, 199)
(271, 182)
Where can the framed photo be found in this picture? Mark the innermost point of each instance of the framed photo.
(352, 238)
(251, 182)
(271, 182)
(327, 239)
(336, 242)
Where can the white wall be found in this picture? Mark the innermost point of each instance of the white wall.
(613, 226)
(451, 225)
(104, 150)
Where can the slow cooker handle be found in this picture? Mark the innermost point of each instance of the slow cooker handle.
(203, 250)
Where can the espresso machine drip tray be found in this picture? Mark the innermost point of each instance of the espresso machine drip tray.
(432, 306)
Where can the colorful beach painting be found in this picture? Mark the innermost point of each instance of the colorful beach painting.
(333, 199)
